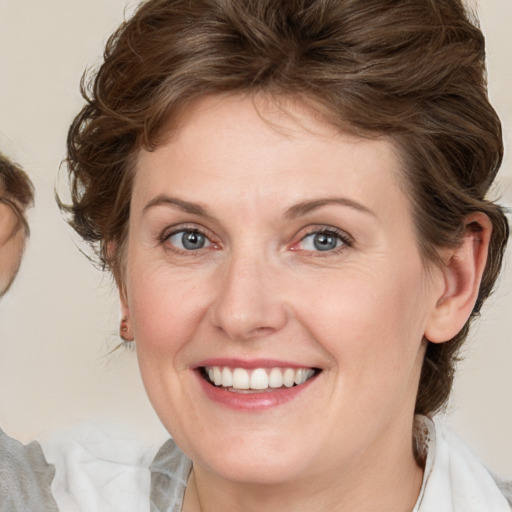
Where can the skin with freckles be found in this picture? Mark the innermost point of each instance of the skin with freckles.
(255, 235)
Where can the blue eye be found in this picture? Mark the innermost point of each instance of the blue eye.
(189, 240)
(322, 241)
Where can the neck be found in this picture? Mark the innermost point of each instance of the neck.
(389, 479)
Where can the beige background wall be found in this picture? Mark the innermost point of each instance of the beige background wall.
(60, 320)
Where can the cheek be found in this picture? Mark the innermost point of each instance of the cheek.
(10, 253)
(165, 309)
(9, 224)
(365, 319)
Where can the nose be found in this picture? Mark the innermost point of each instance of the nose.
(248, 304)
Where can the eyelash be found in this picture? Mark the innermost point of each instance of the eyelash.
(346, 240)
(167, 235)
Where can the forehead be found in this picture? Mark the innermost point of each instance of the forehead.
(289, 116)
(269, 146)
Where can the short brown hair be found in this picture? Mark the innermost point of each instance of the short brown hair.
(15, 183)
(412, 70)
(16, 189)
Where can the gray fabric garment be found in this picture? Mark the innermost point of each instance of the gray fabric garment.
(25, 477)
(505, 487)
(170, 470)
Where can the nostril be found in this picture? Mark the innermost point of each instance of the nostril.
(262, 331)
(248, 320)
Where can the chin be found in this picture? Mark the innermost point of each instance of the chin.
(273, 469)
(260, 461)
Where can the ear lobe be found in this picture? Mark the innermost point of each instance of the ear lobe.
(463, 270)
(125, 324)
(125, 329)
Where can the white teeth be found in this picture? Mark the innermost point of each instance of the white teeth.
(217, 376)
(308, 373)
(240, 379)
(275, 378)
(303, 375)
(227, 378)
(258, 379)
(289, 377)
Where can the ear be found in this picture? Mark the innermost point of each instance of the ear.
(462, 274)
(125, 324)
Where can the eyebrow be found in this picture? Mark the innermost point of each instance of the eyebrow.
(185, 206)
(290, 213)
(307, 206)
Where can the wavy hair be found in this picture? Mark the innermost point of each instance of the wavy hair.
(411, 70)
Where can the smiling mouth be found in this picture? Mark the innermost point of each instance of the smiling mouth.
(241, 380)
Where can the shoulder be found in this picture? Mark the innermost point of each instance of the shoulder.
(454, 477)
(100, 466)
(25, 476)
(170, 470)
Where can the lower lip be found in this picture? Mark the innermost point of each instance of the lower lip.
(257, 401)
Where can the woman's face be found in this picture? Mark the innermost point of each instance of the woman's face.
(266, 248)
(12, 240)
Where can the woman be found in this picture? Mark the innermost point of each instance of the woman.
(25, 476)
(291, 197)
(16, 195)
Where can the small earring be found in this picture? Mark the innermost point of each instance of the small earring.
(125, 330)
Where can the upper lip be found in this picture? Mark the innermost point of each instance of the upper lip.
(250, 364)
